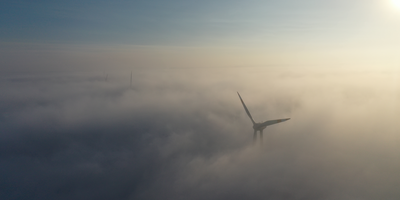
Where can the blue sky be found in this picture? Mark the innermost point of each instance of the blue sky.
(176, 22)
(266, 32)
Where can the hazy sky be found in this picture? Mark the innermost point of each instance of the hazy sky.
(358, 33)
(72, 126)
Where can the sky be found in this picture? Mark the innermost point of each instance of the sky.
(258, 33)
(133, 100)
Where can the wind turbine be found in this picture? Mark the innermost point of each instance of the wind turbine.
(260, 126)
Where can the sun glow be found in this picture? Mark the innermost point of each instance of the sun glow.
(396, 3)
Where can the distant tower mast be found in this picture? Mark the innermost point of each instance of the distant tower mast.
(131, 80)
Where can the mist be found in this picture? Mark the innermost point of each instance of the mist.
(183, 134)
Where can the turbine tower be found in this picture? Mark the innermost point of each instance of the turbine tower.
(260, 126)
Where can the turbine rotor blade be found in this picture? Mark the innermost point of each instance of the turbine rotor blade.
(247, 111)
(275, 121)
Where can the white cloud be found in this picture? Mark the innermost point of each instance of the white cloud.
(183, 134)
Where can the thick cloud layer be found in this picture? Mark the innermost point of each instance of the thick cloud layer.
(183, 134)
